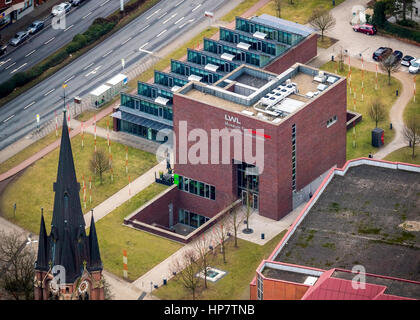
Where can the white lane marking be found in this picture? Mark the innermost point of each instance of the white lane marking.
(49, 40)
(69, 79)
(162, 15)
(98, 67)
(161, 33)
(31, 104)
(30, 53)
(104, 3)
(153, 14)
(4, 62)
(144, 45)
(182, 25)
(145, 28)
(126, 41)
(93, 71)
(172, 16)
(10, 66)
(69, 28)
(109, 52)
(19, 68)
(144, 50)
(49, 92)
(87, 67)
(9, 118)
(87, 15)
(179, 20)
(196, 7)
(179, 3)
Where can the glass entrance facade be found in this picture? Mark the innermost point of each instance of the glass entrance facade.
(191, 219)
(248, 183)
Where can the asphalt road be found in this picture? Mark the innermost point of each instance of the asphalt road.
(148, 33)
(47, 41)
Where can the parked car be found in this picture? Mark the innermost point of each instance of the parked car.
(365, 28)
(407, 60)
(3, 50)
(19, 37)
(61, 8)
(36, 26)
(397, 54)
(415, 66)
(381, 53)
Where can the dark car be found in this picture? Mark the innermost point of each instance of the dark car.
(406, 61)
(398, 55)
(76, 2)
(19, 37)
(365, 28)
(36, 26)
(3, 50)
(381, 53)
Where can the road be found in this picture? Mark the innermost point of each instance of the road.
(49, 40)
(151, 31)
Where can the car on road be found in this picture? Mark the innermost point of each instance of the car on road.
(365, 28)
(3, 50)
(397, 55)
(19, 37)
(381, 53)
(75, 3)
(407, 60)
(61, 8)
(415, 66)
(36, 26)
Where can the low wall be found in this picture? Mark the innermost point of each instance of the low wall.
(352, 119)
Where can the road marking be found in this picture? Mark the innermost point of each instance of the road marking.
(182, 25)
(69, 79)
(162, 15)
(161, 33)
(48, 92)
(104, 3)
(31, 104)
(19, 68)
(87, 67)
(10, 66)
(169, 18)
(97, 68)
(49, 40)
(30, 53)
(144, 50)
(69, 28)
(87, 15)
(179, 20)
(4, 62)
(9, 118)
(153, 14)
(126, 41)
(179, 3)
(107, 53)
(196, 7)
(145, 28)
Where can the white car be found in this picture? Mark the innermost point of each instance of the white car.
(415, 66)
(61, 8)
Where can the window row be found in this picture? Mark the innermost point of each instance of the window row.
(165, 79)
(197, 57)
(258, 45)
(146, 107)
(196, 187)
(186, 70)
(191, 219)
(248, 57)
(147, 90)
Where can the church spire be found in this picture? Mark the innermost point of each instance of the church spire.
(41, 261)
(95, 256)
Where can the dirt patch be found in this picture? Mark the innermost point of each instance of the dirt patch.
(410, 225)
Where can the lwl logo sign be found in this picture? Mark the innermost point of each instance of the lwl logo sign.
(232, 119)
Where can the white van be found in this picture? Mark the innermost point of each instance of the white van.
(415, 66)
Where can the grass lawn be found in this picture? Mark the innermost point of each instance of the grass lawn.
(299, 12)
(238, 10)
(144, 250)
(326, 43)
(404, 155)
(86, 115)
(34, 188)
(103, 123)
(241, 265)
(29, 151)
(385, 92)
(413, 108)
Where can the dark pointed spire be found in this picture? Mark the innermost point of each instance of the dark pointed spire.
(95, 256)
(67, 259)
(42, 260)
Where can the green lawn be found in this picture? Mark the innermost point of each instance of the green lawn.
(144, 250)
(34, 188)
(413, 108)
(364, 128)
(241, 265)
(404, 155)
(29, 151)
(239, 10)
(299, 12)
(103, 123)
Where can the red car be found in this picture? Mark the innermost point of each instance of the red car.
(365, 28)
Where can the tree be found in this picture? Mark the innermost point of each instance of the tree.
(222, 234)
(322, 20)
(377, 112)
(186, 269)
(235, 220)
(277, 7)
(404, 6)
(389, 64)
(99, 163)
(379, 18)
(16, 266)
(412, 133)
(201, 246)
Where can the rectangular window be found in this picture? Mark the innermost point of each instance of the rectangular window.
(331, 121)
(196, 187)
(294, 157)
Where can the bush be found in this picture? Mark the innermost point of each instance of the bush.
(73, 47)
(379, 17)
(7, 87)
(402, 32)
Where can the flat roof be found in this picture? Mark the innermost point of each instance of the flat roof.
(282, 24)
(369, 217)
(100, 90)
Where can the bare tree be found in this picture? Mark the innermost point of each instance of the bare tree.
(341, 60)
(412, 133)
(186, 269)
(235, 220)
(277, 7)
(322, 20)
(222, 234)
(16, 266)
(99, 163)
(389, 64)
(201, 246)
(377, 112)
